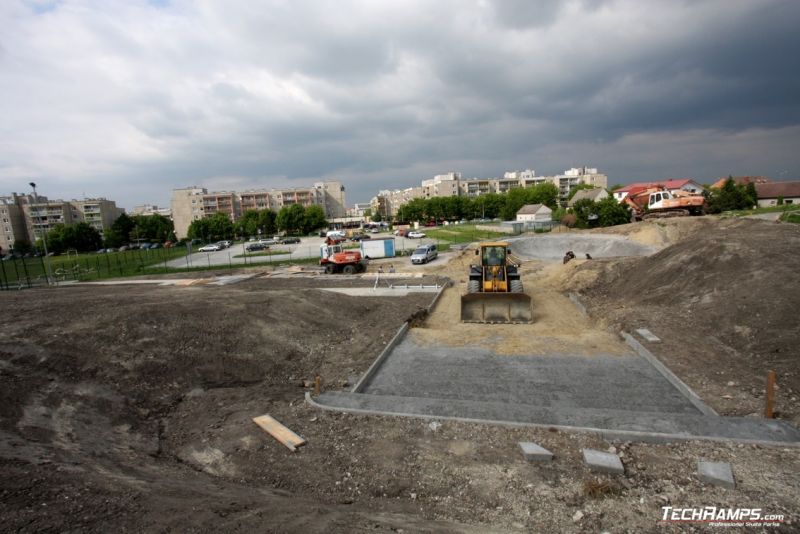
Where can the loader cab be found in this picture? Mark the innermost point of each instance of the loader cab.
(493, 255)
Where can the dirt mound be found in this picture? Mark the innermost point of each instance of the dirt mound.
(726, 299)
(553, 246)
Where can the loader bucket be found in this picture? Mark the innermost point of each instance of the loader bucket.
(496, 308)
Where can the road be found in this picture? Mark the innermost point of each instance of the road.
(307, 248)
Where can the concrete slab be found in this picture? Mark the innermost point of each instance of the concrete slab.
(558, 381)
(716, 473)
(648, 335)
(553, 246)
(535, 453)
(603, 462)
(381, 291)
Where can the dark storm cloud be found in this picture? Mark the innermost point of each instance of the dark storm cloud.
(131, 100)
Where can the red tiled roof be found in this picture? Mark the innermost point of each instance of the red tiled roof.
(740, 180)
(778, 189)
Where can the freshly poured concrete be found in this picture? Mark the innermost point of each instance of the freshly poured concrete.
(622, 397)
(554, 246)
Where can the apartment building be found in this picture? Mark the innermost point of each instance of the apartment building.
(575, 176)
(99, 213)
(12, 222)
(193, 203)
(442, 185)
(41, 215)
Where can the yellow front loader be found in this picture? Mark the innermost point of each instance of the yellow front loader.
(494, 290)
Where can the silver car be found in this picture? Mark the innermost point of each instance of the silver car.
(424, 254)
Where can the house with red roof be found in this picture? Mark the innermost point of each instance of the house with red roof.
(740, 180)
(671, 185)
(770, 192)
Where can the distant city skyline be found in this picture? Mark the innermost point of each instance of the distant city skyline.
(128, 101)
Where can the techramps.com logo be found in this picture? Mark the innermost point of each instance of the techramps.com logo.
(721, 517)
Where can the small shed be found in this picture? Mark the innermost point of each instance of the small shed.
(534, 213)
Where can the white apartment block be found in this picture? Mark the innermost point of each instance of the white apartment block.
(193, 203)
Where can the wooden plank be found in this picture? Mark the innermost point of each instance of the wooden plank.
(770, 400)
(279, 432)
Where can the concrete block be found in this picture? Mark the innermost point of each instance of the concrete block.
(648, 335)
(716, 473)
(603, 462)
(534, 453)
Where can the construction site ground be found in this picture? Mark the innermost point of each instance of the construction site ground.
(129, 407)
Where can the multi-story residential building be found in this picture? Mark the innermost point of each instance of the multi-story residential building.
(12, 222)
(576, 176)
(193, 203)
(41, 215)
(442, 185)
(99, 213)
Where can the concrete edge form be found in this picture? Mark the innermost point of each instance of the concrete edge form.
(669, 375)
(398, 337)
(608, 435)
(432, 305)
(578, 304)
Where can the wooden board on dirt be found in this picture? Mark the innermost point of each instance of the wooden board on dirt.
(279, 432)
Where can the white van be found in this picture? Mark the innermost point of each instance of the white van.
(336, 234)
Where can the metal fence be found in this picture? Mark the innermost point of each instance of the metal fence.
(21, 273)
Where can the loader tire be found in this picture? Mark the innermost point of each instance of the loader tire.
(473, 286)
(330, 269)
(516, 286)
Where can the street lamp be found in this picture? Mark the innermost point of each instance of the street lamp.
(48, 274)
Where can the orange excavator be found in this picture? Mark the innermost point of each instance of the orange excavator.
(334, 259)
(658, 202)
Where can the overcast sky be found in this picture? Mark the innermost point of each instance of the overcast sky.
(131, 99)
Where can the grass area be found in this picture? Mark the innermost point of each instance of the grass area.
(461, 233)
(792, 217)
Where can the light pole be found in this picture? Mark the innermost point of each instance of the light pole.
(48, 274)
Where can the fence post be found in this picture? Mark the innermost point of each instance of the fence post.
(5, 278)
(25, 268)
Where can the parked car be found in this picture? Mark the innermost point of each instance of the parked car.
(415, 235)
(224, 243)
(255, 247)
(424, 254)
(213, 247)
(360, 237)
(290, 240)
(145, 246)
(155, 245)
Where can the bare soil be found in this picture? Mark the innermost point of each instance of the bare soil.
(128, 408)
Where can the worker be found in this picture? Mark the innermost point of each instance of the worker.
(569, 256)
(380, 269)
(391, 268)
(588, 256)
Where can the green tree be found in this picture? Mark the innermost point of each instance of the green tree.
(615, 187)
(611, 212)
(291, 218)
(730, 197)
(314, 219)
(154, 227)
(220, 227)
(200, 229)
(267, 222)
(81, 237)
(584, 211)
(119, 232)
(752, 194)
(247, 225)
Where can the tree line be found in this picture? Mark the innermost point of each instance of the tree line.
(293, 219)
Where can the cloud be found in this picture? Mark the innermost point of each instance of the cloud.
(132, 99)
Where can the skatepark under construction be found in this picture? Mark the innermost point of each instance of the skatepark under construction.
(468, 372)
